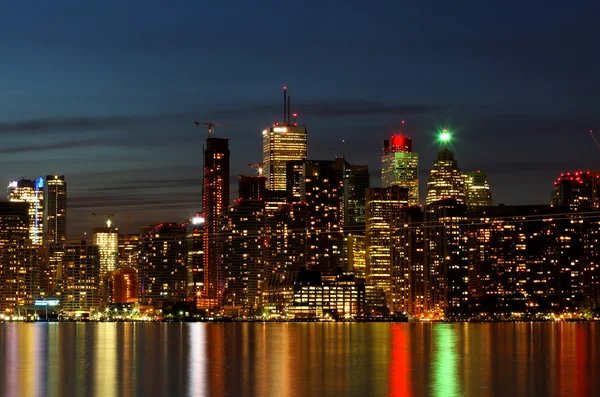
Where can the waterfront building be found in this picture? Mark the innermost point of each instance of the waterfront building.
(20, 261)
(215, 202)
(80, 277)
(31, 192)
(107, 240)
(243, 255)
(162, 272)
(55, 231)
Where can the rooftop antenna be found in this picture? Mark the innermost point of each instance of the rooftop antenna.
(288, 110)
(284, 104)
(594, 138)
(344, 149)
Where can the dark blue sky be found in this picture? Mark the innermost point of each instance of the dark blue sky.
(106, 92)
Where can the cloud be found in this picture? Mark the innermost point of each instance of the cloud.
(53, 146)
(77, 124)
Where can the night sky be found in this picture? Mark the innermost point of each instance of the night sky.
(106, 92)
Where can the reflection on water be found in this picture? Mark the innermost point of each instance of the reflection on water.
(255, 359)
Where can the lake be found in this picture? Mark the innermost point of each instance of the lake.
(299, 359)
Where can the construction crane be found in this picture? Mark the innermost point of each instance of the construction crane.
(108, 217)
(211, 126)
(259, 167)
(594, 138)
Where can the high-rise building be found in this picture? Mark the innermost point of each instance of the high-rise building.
(322, 191)
(80, 277)
(162, 272)
(479, 193)
(56, 209)
(446, 250)
(384, 210)
(31, 192)
(355, 181)
(282, 142)
(400, 166)
(124, 285)
(445, 179)
(215, 201)
(243, 254)
(577, 191)
(195, 257)
(252, 187)
(20, 261)
(107, 240)
(129, 250)
(55, 231)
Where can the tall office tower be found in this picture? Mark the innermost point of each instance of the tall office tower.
(577, 191)
(282, 142)
(195, 257)
(80, 277)
(384, 210)
(252, 187)
(56, 209)
(55, 230)
(322, 190)
(447, 267)
(32, 192)
(591, 262)
(479, 193)
(355, 180)
(162, 271)
(400, 166)
(107, 240)
(20, 261)
(445, 179)
(243, 255)
(215, 201)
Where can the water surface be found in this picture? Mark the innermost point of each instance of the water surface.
(296, 359)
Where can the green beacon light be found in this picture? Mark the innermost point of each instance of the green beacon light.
(445, 136)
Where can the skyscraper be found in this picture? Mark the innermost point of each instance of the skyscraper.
(107, 240)
(252, 187)
(162, 271)
(31, 192)
(384, 210)
(243, 226)
(19, 260)
(282, 142)
(215, 201)
(56, 209)
(55, 233)
(445, 179)
(80, 277)
(322, 190)
(479, 193)
(195, 256)
(400, 166)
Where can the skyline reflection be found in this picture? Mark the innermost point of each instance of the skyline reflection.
(298, 359)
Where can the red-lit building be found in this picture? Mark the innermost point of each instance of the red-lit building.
(400, 166)
(124, 285)
(579, 191)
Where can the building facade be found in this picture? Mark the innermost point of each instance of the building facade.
(479, 193)
(215, 202)
(80, 277)
(31, 192)
(445, 179)
(400, 166)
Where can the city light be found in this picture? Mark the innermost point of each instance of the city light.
(445, 136)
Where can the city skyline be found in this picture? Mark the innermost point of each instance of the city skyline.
(97, 119)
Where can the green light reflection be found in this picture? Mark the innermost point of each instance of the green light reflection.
(445, 361)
